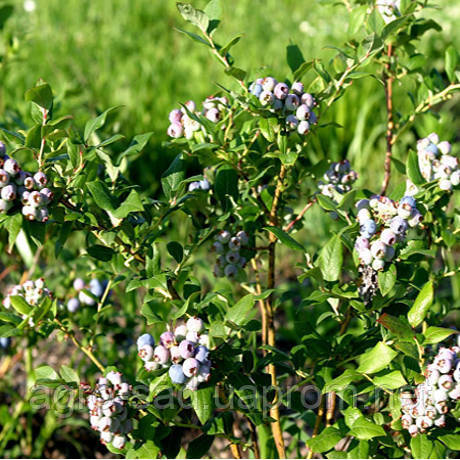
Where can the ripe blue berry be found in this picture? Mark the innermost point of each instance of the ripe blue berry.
(291, 102)
(145, 339)
(2, 148)
(190, 367)
(11, 166)
(303, 128)
(297, 87)
(187, 349)
(202, 353)
(175, 130)
(268, 84)
(167, 339)
(281, 91)
(266, 98)
(195, 324)
(176, 374)
(73, 305)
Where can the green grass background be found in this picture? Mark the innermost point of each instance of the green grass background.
(101, 53)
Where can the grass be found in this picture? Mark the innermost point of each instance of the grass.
(98, 54)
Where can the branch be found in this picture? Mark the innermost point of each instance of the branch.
(291, 224)
(388, 82)
(270, 327)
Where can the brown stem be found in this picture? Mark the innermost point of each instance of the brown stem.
(274, 410)
(291, 224)
(261, 302)
(388, 81)
(319, 417)
(331, 400)
(84, 349)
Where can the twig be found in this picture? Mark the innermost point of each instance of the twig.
(291, 224)
(274, 410)
(319, 417)
(388, 82)
(84, 349)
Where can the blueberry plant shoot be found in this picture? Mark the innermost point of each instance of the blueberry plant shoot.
(203, 321)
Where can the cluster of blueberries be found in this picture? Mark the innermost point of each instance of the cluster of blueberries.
(229, 260)
(96, 287)
(18, 187)
(202, 185)
(337, 180)
(436, 163)
(184, 352)
(107, 404)
(430, 403)
(383, 223)
(34, 292)
(183, 125)
(290, 102)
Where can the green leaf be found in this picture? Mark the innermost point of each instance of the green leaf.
(69, 375)
(376, 359)
(421, 446)
(173, 176)
(100, 252)
(397, 326)
(436, 334)
(226, 48)
(237, 314)
(13, 226)
(235, 72)
(203, 403)
(452, 441)
(46, 372)
(331, 258)
(137, 145)
(200, 446)
(132, 203)
(213, 11)
(364, 429)
(391, 380)
(176, 250)
(342, 381)
(225, 186)
(325, 441)
(194, 16)
(421, 305)
(294, 57)
(101, 195)
(451, 62)
(97, 123)
(41, 95)
(285, 238)
(20, 304)
(413, 171)
(387, 280)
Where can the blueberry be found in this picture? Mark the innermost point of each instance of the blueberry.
(190, 367)
(176, 374)
(297, 87)
(281, 91)
(95, 287)
(73, 305)
(175, 130)
(291, 102)
(303, 127)
(368, 227)
(202, 353)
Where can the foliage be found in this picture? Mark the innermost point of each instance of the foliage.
(359, 333)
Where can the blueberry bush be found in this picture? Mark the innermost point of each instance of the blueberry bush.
(207, 320)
